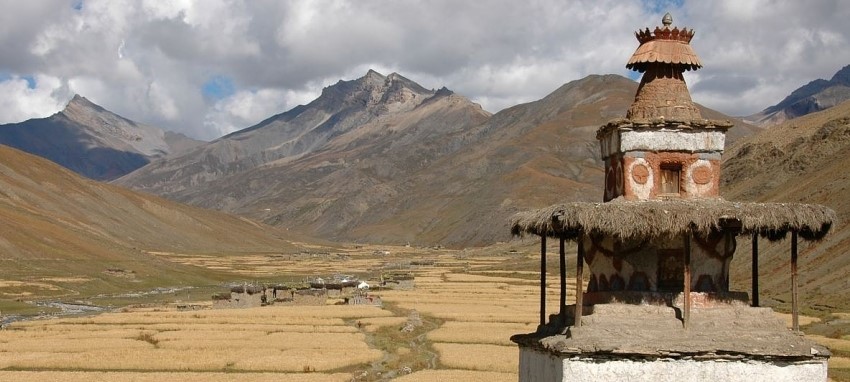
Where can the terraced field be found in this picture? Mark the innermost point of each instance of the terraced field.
(455, 324)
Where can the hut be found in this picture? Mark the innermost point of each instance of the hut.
(242, 296)
(398, 281)
(310, 297)
(657, 306)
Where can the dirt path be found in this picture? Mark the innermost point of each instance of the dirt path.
(406, 348)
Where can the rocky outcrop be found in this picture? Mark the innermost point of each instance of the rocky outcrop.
(93, 141)
(815, 96)
(380, 159)
(349, 109)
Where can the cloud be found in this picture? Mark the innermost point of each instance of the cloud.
(34, 97)
(152, 61)
(247, 108)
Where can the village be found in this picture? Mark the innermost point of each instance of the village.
(337, 289)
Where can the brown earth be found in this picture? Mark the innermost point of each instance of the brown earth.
(441, 171)
(58, 224)
(802, 160)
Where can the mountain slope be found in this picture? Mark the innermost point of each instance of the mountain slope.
(347, 112)
(58, 224)
(801, 160)
(440, 170)
(92, 141)
(815, 96)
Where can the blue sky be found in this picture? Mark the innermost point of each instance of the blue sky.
(218, 87)
(208, 67)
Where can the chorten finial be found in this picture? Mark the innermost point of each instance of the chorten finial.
(663, 55)
(667, 20)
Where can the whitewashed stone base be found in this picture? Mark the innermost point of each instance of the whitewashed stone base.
(539, 366)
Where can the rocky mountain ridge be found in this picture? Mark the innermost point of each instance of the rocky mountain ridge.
(345, 113)
(93, 141)
(380, 159)
(815, 96)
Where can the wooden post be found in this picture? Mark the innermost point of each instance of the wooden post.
(563, 264)
(686, 311)
(543, 280)
(755, 269)
(795, 320)
(579, 289)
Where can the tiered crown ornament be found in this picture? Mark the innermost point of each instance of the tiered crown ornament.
(662, 57)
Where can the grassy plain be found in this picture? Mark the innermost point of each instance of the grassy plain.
(458, 320)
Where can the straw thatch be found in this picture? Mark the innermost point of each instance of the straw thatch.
(664, 51)
(655, 218)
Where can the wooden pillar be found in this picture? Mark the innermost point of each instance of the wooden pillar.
(563, 265)
(543, 280)
(795, 320)
(686, 290)
(579, 276)
(755, 269)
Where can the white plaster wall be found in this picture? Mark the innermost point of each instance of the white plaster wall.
(539, 366)
(669, 140)
(691, 187)
(642, 191)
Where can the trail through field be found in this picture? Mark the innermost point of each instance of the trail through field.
(406, 348)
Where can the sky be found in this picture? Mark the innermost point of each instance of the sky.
(206, 68)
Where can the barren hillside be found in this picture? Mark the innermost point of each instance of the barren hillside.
(802, 160)
(58, 224)
(379, 159)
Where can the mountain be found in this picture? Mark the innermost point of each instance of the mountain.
(346, 115)
(815, 96)
(801, 160)
(361, 163)
(92, 141)
(60, 226)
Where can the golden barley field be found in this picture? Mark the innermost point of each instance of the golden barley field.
(457, 323)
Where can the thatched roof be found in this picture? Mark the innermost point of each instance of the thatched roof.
(664, 51)
(654, 218)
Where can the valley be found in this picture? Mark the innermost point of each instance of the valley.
(462, 310)
(400, 173)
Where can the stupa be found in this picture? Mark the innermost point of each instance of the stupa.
(657, 306)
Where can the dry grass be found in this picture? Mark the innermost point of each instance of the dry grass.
(481, 312)
(82, 376)
(480, 332)
(839, 362)
(458, 375)
(479, 357)
(478, 313)
(467, 278)
(832, 343)
(804, 320)
(69, 345)
(372, 324)
(79, 279)
(280, 339)
(224, 356)
(21, 284)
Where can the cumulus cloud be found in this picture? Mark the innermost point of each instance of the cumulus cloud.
(247, 108)
(150, 60)
(24, 99)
